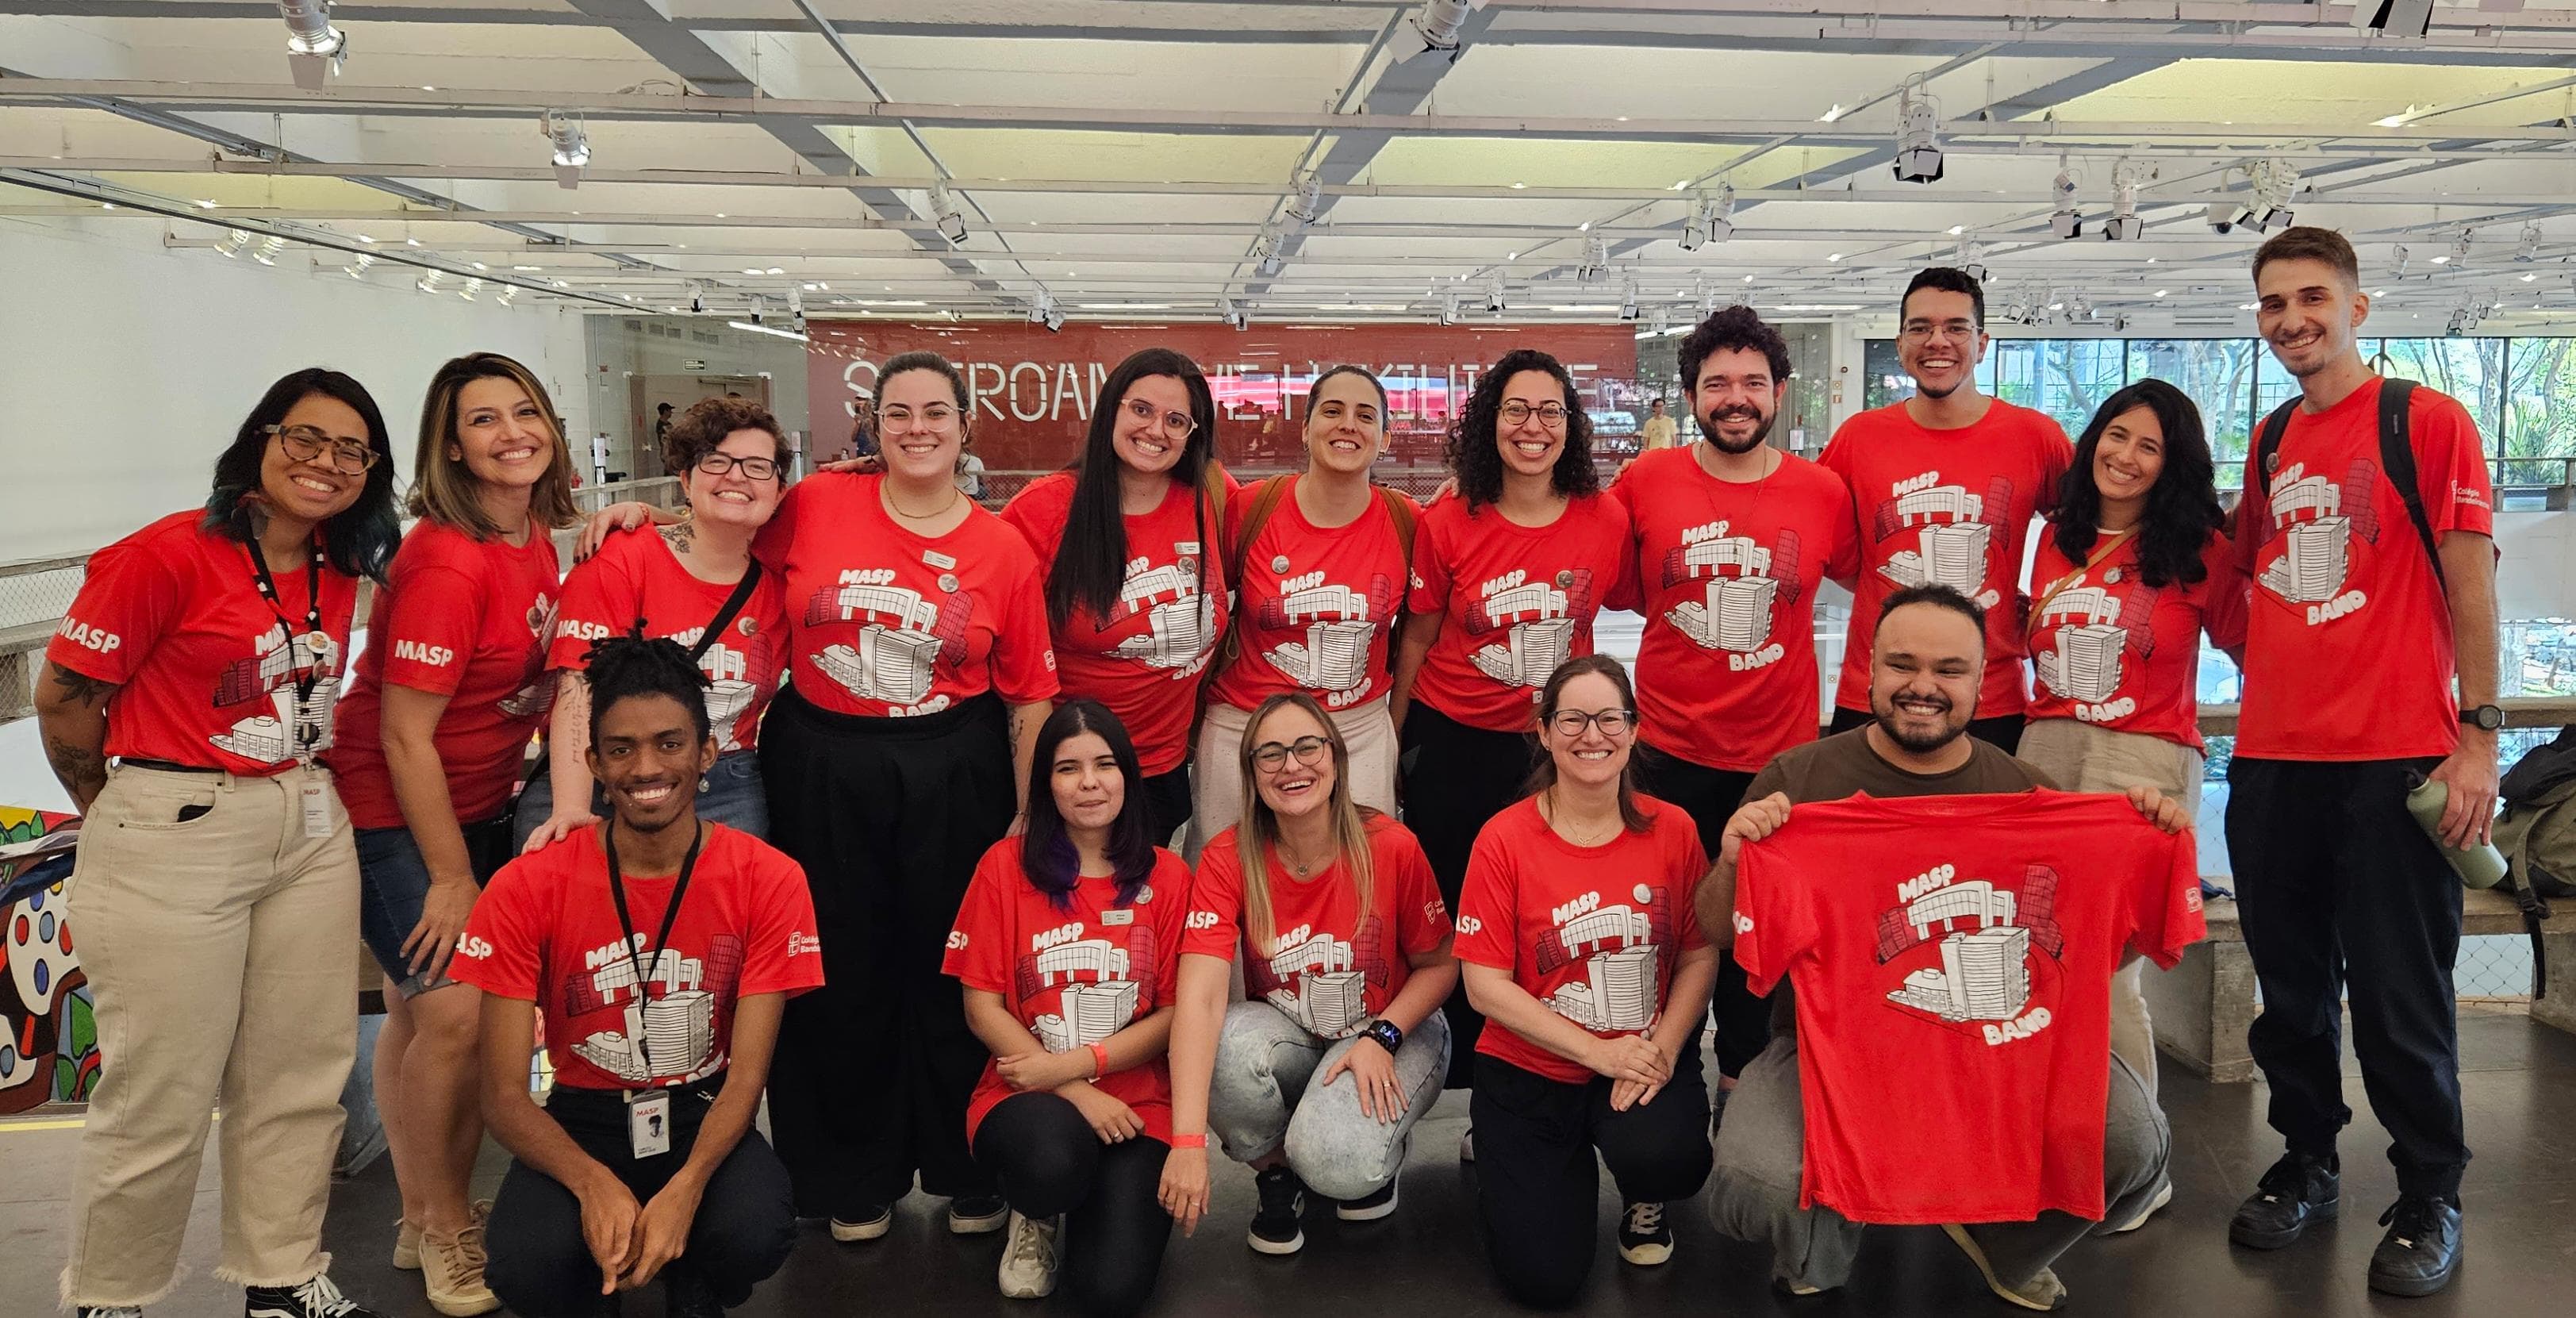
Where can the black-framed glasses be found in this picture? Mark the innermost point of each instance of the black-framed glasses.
(1550, 415)
(1612, 722)
(717, 464)
(1178, 425)
(304, 443)
(1272, 756)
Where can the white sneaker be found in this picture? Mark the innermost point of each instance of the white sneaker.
(1029, 1258)
(2164, 1195)
(1467, 1145)
(113, 1311)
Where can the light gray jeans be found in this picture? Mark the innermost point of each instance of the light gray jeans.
(1263, 1094)
(1761, 1154)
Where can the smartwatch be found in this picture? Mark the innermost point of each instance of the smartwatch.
(2487, 717)
(1384, 1033)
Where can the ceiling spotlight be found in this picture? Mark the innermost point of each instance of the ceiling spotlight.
(572, 146)
(1972, 260)
(357, 269)
(952, 221)
(2124, 224)
(1233, 313)
(1628, 301)
(697, 295)
(2529, 251)
(509, 294)
(1310, 198)
(1596, 260)
(1918, 137)
(2400, 254)
(1494, 294)
(233, 242)
(1433, 27)
(472, 287)
(1710, 220)
(429, 281)
(269, 247)
(1266, 254)
(2067, 221)
(2275, 183)
(314, 48)
(1041, 306)
(2393, 18)
(2460, 249)
(1448, 310)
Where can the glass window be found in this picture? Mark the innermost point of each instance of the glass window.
(2217, 374)
(2471, 370)
(2539, 412)
(2066, 378)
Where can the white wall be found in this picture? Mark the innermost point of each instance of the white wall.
(129, 366)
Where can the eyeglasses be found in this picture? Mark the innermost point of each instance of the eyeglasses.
(1922, 333)
(1273, 756)
(1613, 722)
(902, 418)
(717, 464)
(1178, 425)
(304, 443)
(1550, 415)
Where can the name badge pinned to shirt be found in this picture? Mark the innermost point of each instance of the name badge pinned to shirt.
(941, 561)
(1120, 916)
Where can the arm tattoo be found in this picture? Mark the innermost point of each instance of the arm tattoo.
(83, 687)
(75, 765)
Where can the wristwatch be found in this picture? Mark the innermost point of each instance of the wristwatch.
(2488, 717)
(1383, 1031)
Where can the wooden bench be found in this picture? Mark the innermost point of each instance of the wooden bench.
(2203, 1005)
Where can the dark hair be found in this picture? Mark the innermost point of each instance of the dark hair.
(1543, 773)
(1947, 279)
(662, 407)
(1047, 854)
(1348, 369)
(620, 667)
(933, 362)
(1938, 596)
(1473, 453)
(360, 539)
(1091, 559)
(2182, 508)
(2310, 243)
(1734, 329)
(696, 432)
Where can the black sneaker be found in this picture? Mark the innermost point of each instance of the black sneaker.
(317, 1298)
(2421, 1249)
(1283, 1202)
(1645, 1238)
(685, 1293)
(869, 1223)
(1368, 1208)
(977, 1214)
(2299, 1189)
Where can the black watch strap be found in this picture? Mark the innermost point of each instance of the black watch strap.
(2488, 717)
(1384, 1032)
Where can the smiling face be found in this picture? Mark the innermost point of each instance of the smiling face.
(502, 436)
(1529, 448)
(919, 427)
(1293, 787)
(1345, 425)
(1926, 663)
(2309, 314)
(1153, 424)
(1592, 757)
(313, 489)
(733, 498)
(1086, 782)
(1938, 342)
(2129, 456)
(648, 757)
(1736, 398)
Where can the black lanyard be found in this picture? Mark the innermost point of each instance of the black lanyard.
(626, 923)
(313, 642)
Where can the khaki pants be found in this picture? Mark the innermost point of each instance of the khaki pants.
(2084, 758)
(218, 951)
(1368, 730)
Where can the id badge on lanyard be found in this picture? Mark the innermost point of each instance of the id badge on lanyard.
(648, 1122)
(315, 799)
(648, 1111)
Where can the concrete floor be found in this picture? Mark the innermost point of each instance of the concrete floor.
(2521, 1197)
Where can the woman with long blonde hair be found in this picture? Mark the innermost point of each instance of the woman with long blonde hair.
(1317, 1077)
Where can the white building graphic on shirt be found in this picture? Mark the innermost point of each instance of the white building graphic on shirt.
(1621, 949)
(1340, 622)
(292, 722)
(2308, 514)
(2089, 644)
(902, 637)
(676, 1024)
(1954, 533)
(1098, 998)
(1735, 610)
(1540, 619)
(1320, 986)
(1181, 617)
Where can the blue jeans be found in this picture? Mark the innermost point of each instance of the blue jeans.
(732, 797)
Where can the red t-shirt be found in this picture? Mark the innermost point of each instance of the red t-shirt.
(206, 671)
(1954, 990)
(1327, 967)
(545, 931)
(2117, 653)
(636, 578)
(1593, 932)
(1514, 602)
(1726, 669)
(468, 620)
(1073, 975)
(1315, 605)
(1947, 506)
(1145, 662)
(884, 623)
(2348, 651)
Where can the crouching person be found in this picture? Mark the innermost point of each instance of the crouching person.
(643, 1163)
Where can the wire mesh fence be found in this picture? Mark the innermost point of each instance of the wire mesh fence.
(33, 596)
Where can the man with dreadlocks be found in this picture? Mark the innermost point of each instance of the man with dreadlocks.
(662, 951)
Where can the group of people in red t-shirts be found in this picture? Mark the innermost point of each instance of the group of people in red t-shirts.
(858, 799)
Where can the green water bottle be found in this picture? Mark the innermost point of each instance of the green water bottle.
(2481, 866)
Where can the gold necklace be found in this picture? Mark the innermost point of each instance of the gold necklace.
(954, 494)
(1565, 828)
(1297, 867)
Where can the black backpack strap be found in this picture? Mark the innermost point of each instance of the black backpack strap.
(724, 617)
(2267, 446)
(2397, 458)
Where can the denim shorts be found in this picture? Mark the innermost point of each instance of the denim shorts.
(393, 886)
(732, 797)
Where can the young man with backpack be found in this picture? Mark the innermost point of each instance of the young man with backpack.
(2370, 660)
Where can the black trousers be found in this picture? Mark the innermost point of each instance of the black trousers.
(1537, 1185)
(1455, 778)
(1049, 1162)
(888, 817)
(1167, 802)
(539, 1263)
(2340, 893)
(2003, 730)
(1710, 797)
